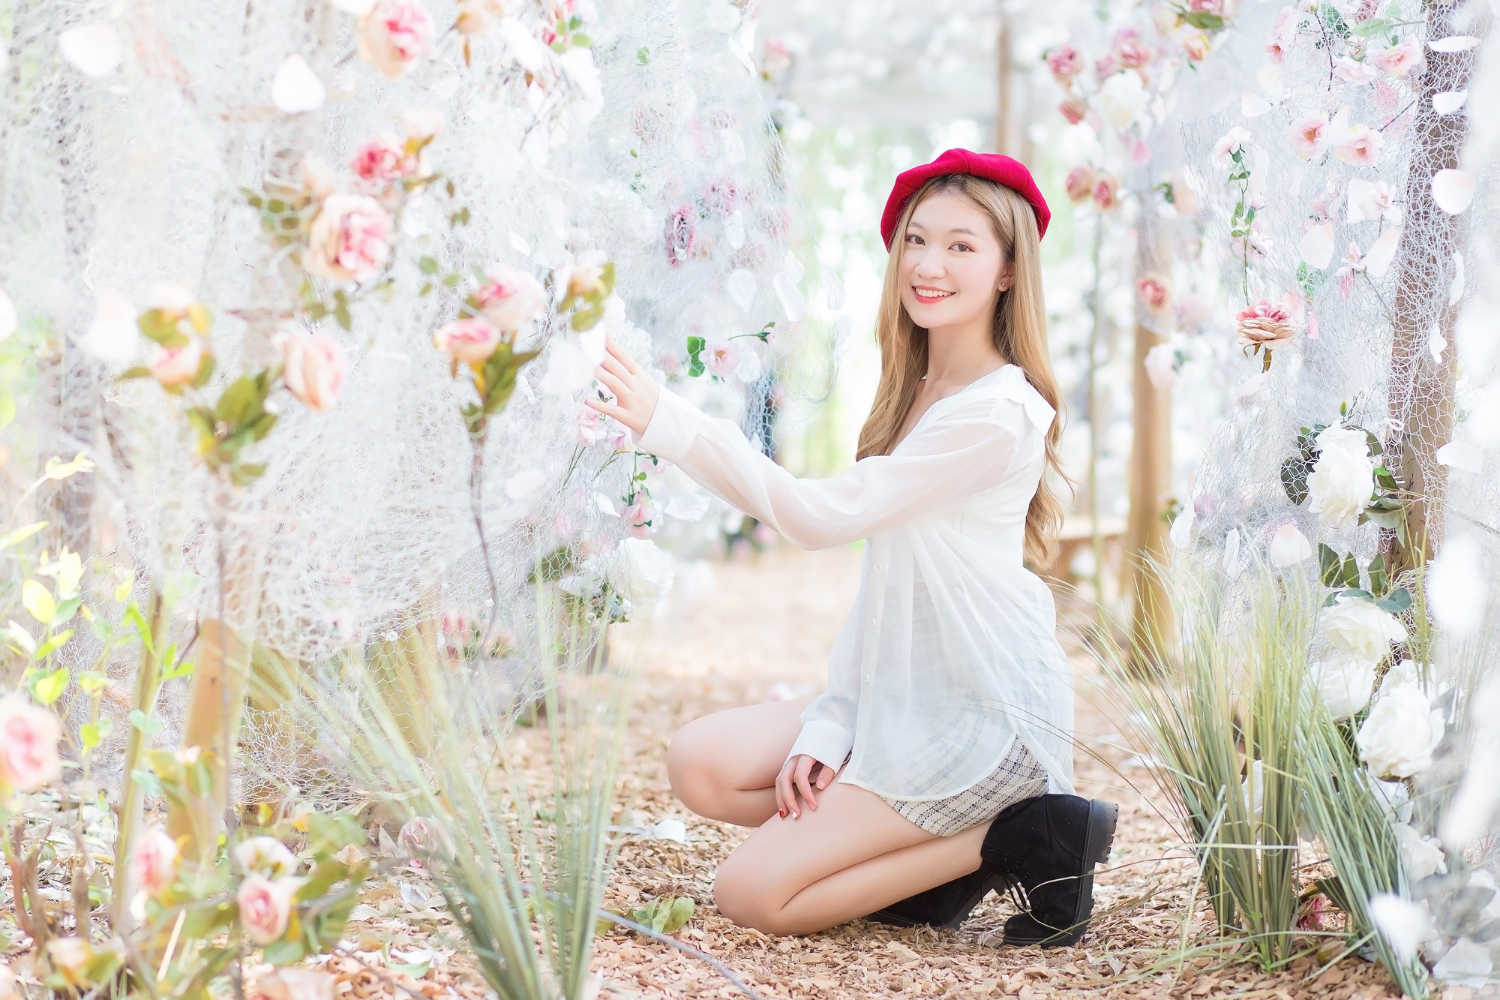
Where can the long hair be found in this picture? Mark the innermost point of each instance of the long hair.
(1020, 333)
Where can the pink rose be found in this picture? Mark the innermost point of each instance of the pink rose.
(720, 357)
(1074, 108)
(349, 239)
(1065, 62)
(177, 366)
(722, 196)
(383, 161)
(313, 367)
(1106, 192)
(154, 861)
(266, 906)
(1264, 323)
(591, 429)
(28, 744)
(1079, 184)
(1197, 47)
(1359, 145)
(638, 517)
(681, 235)
(1274, 47)
(1207, 6)
(1351, 70)
(1308, 136)
(471, 340)
(1155, 295)
(424, 838)
(1132, 53)
(393, 35)
(1398, 60)
(510, 298)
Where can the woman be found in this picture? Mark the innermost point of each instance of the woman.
(919, 779)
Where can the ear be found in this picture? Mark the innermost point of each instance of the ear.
(1007, 276)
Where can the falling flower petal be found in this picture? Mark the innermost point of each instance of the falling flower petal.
(1182, 527)
(112, 336)
(1289, 546)
(1317, 245)
(519, 244)
(1252, 105)
(742, 287)
(7, 316)
(296, 87)
(1461, 457)
(523, 484)
(1453, 190)
(1401, 922)
(1449, 101)
(1382, 252)
(93, 49)
(1453, 43)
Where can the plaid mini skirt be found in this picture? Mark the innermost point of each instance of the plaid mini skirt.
(1018, 776)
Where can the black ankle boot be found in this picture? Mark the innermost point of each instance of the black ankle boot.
(945, 905)
(1048, 846)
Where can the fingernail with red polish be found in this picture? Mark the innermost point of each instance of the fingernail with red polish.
(781, 813)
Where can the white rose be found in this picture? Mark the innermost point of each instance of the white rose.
(1121, 99)
(1344, 685)
(1403, 730)
(265, 856)
(1420, 856)
(1289, 546)
(649, 572)
(1401, 922)
(1358, 628)
(1343, 478)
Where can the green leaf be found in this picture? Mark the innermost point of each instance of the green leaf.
(1349, 572)
(37, 600)
(205, 371)
(427, 265)
(148, 725)
(588, 318)
(341, 309)
(158, 326)
(94, 733)
(284, 952)
(643, 55)
(330, 832)
(1378, 582)
(665, 914)
(50, 687)
(1294, 472)
(1328, 565)
(20, 534)
(52, 645)
(1396, 601)
(1205, 20)
(92, 681)
(21, 637)
(240, 399)
(66, 610)
(131, 373)
(148, 783)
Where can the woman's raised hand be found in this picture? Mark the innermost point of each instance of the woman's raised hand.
(801, 774)
(636, 392)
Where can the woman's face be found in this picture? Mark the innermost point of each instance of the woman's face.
(952, 267)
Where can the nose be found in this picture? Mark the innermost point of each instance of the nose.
(928, 262)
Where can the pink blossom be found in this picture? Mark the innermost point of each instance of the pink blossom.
(1129, 51)
(424, 838)
(394, 34)
(563, 527)
(681, 235)
(1065, 62)
(1359, 145)
(590, 425)
(1079, 184)
(1106, 67)
(313, 367)
(1354, 264)
(349, 239)
(1106, 192)
(471, 340)
(1197, 47)
(1351, 70)
(1155, 294)
(639, 517)
(721, 196)
(510, 298)
(1386, 95)
(1273, 47)
(28, 744)
(174, 367)
(1264, 323)
(154, 861)
(383, 161)
(266, 906)
(1229, 143)
(1398, 60)
(1207, 6)
(1074, 108)
(720, 357)
(1308, 136)
(776, 56)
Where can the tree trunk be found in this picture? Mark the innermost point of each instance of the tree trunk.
(1150, 475)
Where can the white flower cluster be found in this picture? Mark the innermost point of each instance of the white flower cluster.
(1343, 479)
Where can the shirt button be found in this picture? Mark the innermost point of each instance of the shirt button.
(872, 623)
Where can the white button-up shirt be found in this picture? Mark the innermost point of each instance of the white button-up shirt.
(950, 651)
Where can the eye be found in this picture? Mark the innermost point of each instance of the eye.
(913, 236)
(962, 246)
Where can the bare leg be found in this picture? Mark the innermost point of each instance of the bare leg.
(724, 766)
(851, 856)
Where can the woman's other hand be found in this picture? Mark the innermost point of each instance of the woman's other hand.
(635, 392)
(801, 775)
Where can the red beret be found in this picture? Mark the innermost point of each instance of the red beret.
(997, 167)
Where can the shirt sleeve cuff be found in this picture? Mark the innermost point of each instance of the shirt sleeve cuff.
(826, 742)
(672, 428)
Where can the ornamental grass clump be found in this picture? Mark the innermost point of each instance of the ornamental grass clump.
(1219, 711)
(522, 870)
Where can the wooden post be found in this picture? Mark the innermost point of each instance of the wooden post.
(1006, 140)
(1420, 394)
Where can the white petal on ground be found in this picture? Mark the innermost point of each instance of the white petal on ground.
(296, 88)
(1453, 190)
(519, 244)
(92, 49)
(670, 829)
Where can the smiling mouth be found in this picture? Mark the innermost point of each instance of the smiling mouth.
(931, 294)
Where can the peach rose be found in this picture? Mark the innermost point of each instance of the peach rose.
(586, 274)
(1106, 191)
(1155, 295)
(470, 340)
(1359, 145)
(29, 736)
(1197, 47)
(510, 298)
(393, 35)
(1074, 108)
(1264, 323)
(1130, 52)
(177, 366)
(1398, 60)
(383, 161)
(1080, 183)
(154, 861)
(349, 239)
(313, 367)
(1308, 136)
(266, 906)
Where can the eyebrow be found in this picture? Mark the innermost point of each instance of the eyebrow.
(916, 225)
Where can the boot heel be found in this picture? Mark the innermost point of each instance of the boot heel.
(1103, 818)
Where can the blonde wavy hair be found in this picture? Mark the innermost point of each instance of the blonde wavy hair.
(1020, 333)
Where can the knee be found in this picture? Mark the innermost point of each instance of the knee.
(743, 897)
(689, 769)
